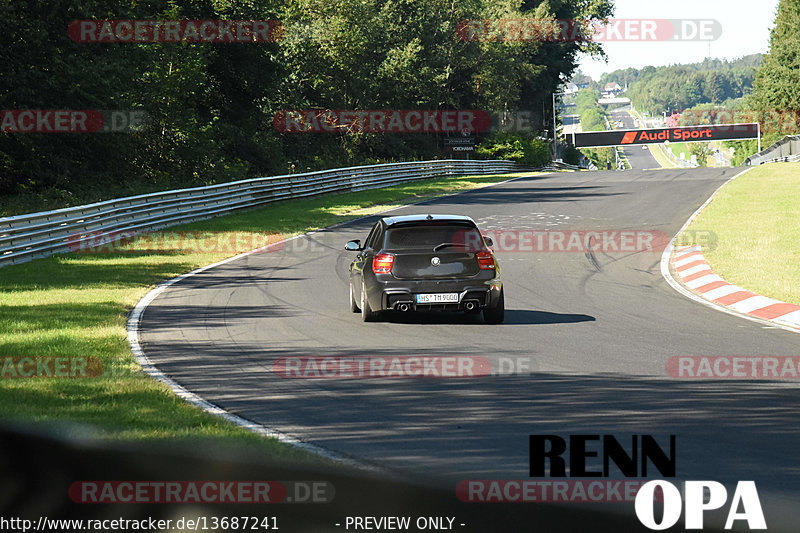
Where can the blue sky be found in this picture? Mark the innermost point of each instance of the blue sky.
(745, 30)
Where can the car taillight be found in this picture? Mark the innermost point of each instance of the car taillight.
(485, 260)
(382, 263)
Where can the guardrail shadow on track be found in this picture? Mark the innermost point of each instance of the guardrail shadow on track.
(462, 427)
(505, 195)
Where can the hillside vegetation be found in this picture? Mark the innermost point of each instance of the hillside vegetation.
(210, 106)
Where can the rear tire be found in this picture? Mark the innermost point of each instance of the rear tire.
(367, 315)
(353, 305)
(497, 314)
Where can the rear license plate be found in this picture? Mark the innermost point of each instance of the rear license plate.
(447, 298)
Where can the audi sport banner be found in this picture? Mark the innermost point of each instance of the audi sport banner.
(724, 132)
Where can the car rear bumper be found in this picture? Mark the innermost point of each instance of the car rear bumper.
(473, 294)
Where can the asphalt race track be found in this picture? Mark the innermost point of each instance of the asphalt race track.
(596, 330)
(638, 158)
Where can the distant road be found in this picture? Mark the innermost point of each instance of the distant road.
(572, 123)
(638, 158)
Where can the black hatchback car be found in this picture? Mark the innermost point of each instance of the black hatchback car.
(426, 263)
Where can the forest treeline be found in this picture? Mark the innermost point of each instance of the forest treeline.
(678, 87)
(209, 107)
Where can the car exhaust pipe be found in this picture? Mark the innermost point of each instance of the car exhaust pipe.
(404, 307)
(470, 306)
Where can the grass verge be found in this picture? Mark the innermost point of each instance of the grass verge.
(758, 231)
(678, 149)
(662, 159)
(77, 304)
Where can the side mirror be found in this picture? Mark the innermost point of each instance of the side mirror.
(353, 246)
(489, 242)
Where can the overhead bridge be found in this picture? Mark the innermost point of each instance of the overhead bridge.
(614, 101)
(725, 132)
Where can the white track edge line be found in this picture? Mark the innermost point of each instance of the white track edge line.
(667, 275)
(193, 399)
(132, 327)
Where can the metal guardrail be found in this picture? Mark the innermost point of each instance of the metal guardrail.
(558, 165)
(35, 235)
(787, 149)
(681, 163)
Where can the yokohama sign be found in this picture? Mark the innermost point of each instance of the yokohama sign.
(655, 136)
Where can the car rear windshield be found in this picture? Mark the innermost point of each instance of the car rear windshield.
(462, 237)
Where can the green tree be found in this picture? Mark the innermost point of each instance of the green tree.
(210, 106)
(678, 87)
(717, 87)
(778, 79)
